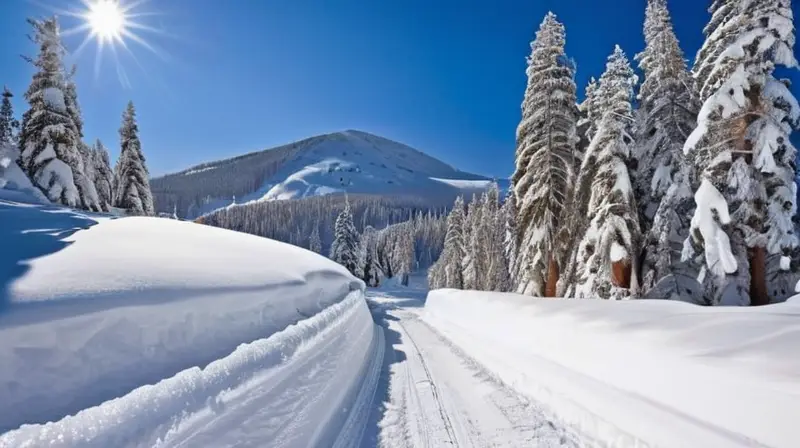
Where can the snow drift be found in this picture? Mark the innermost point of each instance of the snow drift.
(290, 387)
(92, 308)
(639, 373)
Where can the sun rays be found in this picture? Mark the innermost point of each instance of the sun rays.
(111, 24)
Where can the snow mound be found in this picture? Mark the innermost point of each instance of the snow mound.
(93, 307)
(639, 373)
(186, 406)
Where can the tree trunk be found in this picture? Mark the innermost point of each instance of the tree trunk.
(552, 278)
(621, 274)
(758, 277)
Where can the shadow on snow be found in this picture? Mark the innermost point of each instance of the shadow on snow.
(31, 231)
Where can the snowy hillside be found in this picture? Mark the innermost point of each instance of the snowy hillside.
(349, 161)
(122, 332)
(638, 373)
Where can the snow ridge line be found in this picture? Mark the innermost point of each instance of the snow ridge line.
(349, 436)
(119, 422)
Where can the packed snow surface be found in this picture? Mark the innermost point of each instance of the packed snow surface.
(128, 331)
(435, 395)
(639, 373)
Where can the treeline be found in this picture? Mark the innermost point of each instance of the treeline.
(296, 221)
(689, 197)
(48, 144)
(392, 252)
(474, 254)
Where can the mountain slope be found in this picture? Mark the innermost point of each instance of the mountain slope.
(349, 161)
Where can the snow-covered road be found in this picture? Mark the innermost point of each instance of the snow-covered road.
(435, 395)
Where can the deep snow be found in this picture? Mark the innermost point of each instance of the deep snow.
(639, 373)
(152, 313)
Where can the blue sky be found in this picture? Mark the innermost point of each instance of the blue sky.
(444, 76)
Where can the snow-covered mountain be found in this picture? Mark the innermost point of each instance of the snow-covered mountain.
(349, 161)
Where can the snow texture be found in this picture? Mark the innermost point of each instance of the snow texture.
(638, 373)
(93, 308)
(14, 180)
(710, 216)
(54, 98)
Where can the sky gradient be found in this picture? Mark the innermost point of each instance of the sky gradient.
(230, 77)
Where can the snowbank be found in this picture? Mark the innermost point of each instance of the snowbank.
(639, 373)
(215, 405)
(92, 307)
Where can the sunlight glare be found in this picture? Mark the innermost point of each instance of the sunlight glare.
(106, 19)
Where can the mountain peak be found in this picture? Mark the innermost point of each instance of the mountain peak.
(351, 161)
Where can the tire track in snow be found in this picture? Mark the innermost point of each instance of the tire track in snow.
(448, 424)
(438, 396)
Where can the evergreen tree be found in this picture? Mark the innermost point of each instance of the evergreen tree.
(509, 212)
(454, 248)
(50, 139)
(103, 175)
(663, 176)
(132, 185)
(314, 241)
(436, 275)
(667, 114)
(368, 258)
(345, 246)
(494, 228)
(605, 261)
(9, 126)
(741, 148)
(587, 124)
(404, 253)
(471, 263)
(87, 183)
(545, 158)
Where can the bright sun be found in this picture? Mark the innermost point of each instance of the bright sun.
(106, 19)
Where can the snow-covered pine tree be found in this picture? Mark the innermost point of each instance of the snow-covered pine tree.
(436, 275)
(668, 111)
(509, 212)
(588, 112)
(103, 175)
(85, 175)
(344, 249)
(545, 158)
(454, 248)
(605, 264)
(470, 264)
(314, 241)
(662, 177)
(368, 257)
(49, 139)
(741, 147)
(404, 252)
(494, 227)
(9, 126)
(132, 184)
